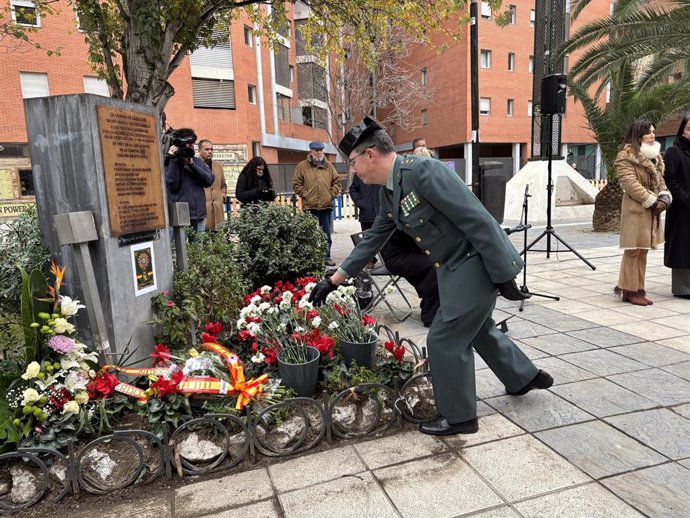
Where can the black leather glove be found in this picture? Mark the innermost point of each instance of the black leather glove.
(320, 292)
(268, 194)
(510, 291)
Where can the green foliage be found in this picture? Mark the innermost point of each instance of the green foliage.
(278, 243)
(172, 321)
(105, 413)
(337, 377)
(168, 410)
(34, 290)
(20, 245)
(214, 281)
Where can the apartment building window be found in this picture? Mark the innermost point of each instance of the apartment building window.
(485, 58)
(25, 12)
(292, 74)
(511, 62)
(424, 75)
(248, 36)
(425, 117)
(96, 85)
(283, 102)
(532, 17)
(485, 106)
(213, 93)
(531, 65)
(510, 107)
(512, 14)
(256, 148)
(251, 94)
(282, 66)
(486, 10)
(34, 84)
(529, 108)
(213, 84)
(314, 116)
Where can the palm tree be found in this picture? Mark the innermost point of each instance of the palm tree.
(628, 103)
(658, 36)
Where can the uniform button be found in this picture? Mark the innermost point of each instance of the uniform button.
(513, 263)
(427, 252)
(407, 225)
(421, 220)
(437, 265)
(469, 254)
(418, 239)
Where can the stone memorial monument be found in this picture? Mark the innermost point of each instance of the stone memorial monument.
(100, 195)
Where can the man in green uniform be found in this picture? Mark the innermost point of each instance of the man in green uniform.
(473, 259)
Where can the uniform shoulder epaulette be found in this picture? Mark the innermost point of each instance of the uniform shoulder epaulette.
(409, 162)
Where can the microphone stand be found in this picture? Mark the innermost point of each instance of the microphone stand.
(523, 227)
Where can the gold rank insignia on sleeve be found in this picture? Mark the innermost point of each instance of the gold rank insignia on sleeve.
(409, 202)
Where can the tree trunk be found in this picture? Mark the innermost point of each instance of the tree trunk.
(607, 208)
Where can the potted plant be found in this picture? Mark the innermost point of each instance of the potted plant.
(285, 330)
(355, 331)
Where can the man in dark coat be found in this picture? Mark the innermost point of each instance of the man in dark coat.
(473, 259)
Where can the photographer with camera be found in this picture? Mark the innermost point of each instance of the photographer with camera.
(186, 176)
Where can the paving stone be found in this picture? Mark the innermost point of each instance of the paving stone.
(650, 331)
(657, 385)
(660, 491)
(524, 329)
(599, 449)
(652, 354)
(315, 468)
(399, 448)
(646, 312)
(483, 409)
(680, 343)
(348, 497)
(603, 362)
(488, 385)
(685, 463)
(606, 317)
(559, 344)
(265, 509)
(682, 370)
(681, 322)
(660, 429)
(520, 467)
(683, 410)
(538, 410)
(499, 512)
(531, 352)
(587, 501)
(159, 507)
(569, 306)
(605, 337)
(562, 372)
(446, 485)
(491, 428)
(221, 493)
(602, 397)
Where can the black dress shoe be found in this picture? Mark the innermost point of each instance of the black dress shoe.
(440, 426)
(541, 381)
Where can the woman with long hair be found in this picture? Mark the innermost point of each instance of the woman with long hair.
(254, 183)
(640, 169)
(677, 176)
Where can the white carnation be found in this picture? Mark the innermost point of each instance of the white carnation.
(316, 322)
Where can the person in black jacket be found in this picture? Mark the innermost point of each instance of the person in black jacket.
(186, 176)
(366, 199)
(677, 176)
(254, 183)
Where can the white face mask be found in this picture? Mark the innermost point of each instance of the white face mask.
(650, 151)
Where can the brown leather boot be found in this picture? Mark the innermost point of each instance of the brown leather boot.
(644, 294)
(637, 299)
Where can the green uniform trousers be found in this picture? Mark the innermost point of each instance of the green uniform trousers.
(452, 362)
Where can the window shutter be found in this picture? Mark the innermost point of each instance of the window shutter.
(213, 93)
(34, 84)
(282, 64)
(219, 56)
(94, 85)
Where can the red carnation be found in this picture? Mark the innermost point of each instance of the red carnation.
(368, 320)
(161, 355)
(207, 338)
(214, 328)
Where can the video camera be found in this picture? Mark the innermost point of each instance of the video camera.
(181, 139)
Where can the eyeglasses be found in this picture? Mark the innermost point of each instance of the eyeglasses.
(351, 162)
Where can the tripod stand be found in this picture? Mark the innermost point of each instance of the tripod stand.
(549, 231)
(523, 227)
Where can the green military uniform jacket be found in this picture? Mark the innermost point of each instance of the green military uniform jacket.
(470, 250)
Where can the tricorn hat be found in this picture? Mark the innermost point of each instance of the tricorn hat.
(357, 134)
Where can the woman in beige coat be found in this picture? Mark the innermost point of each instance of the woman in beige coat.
(640, 169)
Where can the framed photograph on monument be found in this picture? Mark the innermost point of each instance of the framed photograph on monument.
(143, 268)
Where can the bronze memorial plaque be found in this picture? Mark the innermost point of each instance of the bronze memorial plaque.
(132, 164)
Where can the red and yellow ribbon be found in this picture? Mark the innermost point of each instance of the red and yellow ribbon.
(243, 389)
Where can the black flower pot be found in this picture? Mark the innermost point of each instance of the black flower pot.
(363, 353)
(301, 377)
